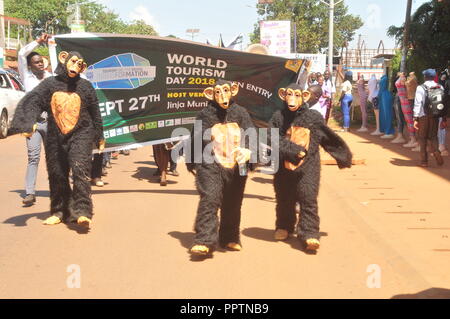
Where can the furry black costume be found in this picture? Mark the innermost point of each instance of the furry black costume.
(74, 128)
(220, 184)
(297, 180)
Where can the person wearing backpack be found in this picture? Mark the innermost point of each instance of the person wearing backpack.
(444, 80)
(428, 107)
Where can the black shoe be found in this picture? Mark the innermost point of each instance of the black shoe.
(29, 200)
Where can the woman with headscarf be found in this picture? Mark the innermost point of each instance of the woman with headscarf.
(373, 98)
(385, 105)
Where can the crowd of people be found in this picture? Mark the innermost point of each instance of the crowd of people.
(399, 113)
(405, 106)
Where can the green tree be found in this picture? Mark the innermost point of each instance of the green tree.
(311, 18)
(52, 16)
(429, 38)
(139, 27)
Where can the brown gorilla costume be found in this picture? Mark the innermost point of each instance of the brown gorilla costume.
(74, 128)
(301, 132)
(219, 182)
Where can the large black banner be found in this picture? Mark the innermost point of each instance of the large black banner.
(147, 86)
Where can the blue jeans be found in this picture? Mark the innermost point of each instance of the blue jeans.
(345, 106)
(441, 133)
(34, 154)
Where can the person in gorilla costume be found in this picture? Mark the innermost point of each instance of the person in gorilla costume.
(219, 177)
(301, 131)
(74, 128)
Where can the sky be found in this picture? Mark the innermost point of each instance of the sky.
(233, 17)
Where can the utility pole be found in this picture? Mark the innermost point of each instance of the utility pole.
(331, 4)
(2, 24)
(406, 36)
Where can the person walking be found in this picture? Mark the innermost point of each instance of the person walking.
(324, 97)
(346, 99)
(32, 72)
(444, 80)
(411, 87)
(427, 124)
(331, 88)
(97, 170)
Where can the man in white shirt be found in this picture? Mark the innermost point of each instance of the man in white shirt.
(32, 72)
(329, 83)
(316, 93)
(426, 125)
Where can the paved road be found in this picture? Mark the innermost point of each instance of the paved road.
(385, 227)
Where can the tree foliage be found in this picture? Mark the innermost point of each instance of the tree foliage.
(53, 16)
(429, 36)
(311, 18)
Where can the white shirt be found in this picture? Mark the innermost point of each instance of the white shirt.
(316, 107)
(30, 81)
(419, 101)
(373, 88)
(330, 84)
(347, 87)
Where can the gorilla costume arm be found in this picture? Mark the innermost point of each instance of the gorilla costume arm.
(30, 108)
(335, 146)
(288, 150)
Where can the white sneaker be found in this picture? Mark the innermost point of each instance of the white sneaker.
(411, 144)
(387, 136)
(376, 132)
(362, 129)
(398, 140)
(416, 149)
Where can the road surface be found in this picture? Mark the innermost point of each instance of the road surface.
(385, 234)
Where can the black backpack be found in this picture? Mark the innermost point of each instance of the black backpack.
(434, 101)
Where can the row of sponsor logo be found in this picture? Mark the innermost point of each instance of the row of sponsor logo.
(147, 126)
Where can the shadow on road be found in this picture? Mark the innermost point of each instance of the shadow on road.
(414, 157)
(186, 240)
(150, 163)
(408, 163)
(21, 220)
(79, 229)
(262, 180)
(267, 235)
(432, 293)
(154, 191)
(38, 193)
(171, 192)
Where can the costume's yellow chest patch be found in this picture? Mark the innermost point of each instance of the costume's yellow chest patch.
(66, 110)
(226, 138)
(300, 136)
